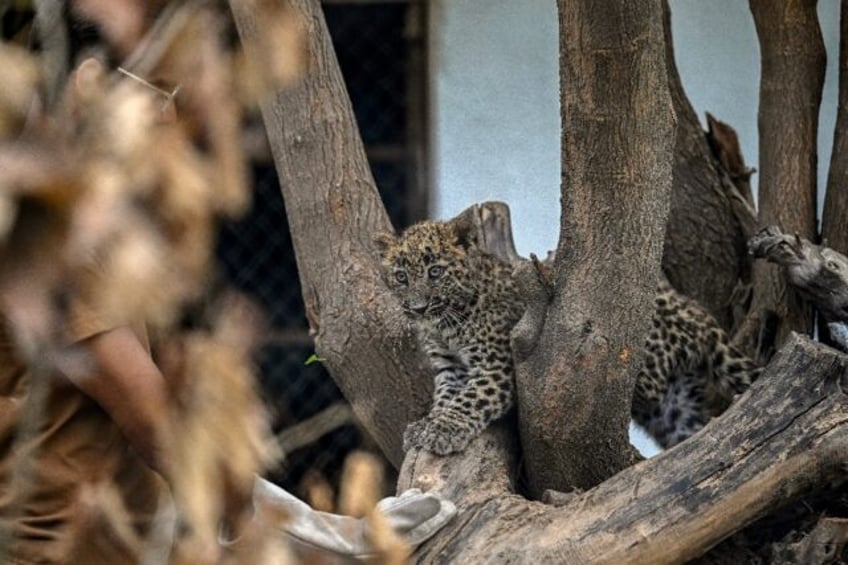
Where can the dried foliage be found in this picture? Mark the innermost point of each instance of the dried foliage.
(113, 197)
(361, 489)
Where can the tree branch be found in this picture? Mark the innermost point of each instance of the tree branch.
(330, 197)
(819, 273)
(776, 443)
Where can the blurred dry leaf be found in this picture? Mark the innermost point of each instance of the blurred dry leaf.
(213, 111)
(361, 488)
(317, 491)
(113, 201)
(121, 22)
(21, 75)
(362, 484)
(277, 56)
(219, 437)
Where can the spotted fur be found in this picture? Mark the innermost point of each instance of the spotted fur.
(463, 304)
(691, 372)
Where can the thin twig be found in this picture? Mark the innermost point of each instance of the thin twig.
(148, 84)
(310, 430)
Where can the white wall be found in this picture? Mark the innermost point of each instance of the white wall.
(495, 103)
(719, 63)
(495, 100)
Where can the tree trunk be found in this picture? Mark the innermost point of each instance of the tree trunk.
(835, 214)
(709, 219)
(787, 435)
(793, 63)
(618, 130)
(334, 211)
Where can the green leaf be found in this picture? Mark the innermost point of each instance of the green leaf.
(313, 359)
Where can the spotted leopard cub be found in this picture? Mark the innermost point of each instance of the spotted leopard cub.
(463, 304)
(691, 371)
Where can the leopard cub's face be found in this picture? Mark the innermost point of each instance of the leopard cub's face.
(427, 268)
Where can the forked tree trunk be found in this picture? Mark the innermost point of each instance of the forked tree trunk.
(784, 437)
(575, 386)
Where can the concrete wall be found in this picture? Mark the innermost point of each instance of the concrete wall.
(495, 103)
(495, 99)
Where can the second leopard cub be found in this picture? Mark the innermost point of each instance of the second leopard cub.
(463, 304)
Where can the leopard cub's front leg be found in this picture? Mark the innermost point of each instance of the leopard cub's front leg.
(451, 375)
(472, 392)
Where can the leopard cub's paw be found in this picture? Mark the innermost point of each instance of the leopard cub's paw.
(444, 437)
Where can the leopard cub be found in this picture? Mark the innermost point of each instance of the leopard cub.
(462, 303)
(691, 371)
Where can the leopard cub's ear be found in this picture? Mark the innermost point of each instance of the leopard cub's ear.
(383, 241)
(464, 231)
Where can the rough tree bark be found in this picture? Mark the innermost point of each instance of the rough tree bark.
(330, 197)
(788, 434)
(835, 213)
(709, 219)
(616, 180)
(792, 75)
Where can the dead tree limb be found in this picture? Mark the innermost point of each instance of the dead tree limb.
(819, 273)
(792, 75)
(787, 435)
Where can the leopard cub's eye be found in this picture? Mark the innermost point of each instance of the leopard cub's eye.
(436, 271)
(832, 265)
(400, 276)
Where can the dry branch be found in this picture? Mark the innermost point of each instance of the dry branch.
(819, 273)
(312, 429)
(787, 435)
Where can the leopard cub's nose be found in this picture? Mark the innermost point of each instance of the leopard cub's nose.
(418, 309)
